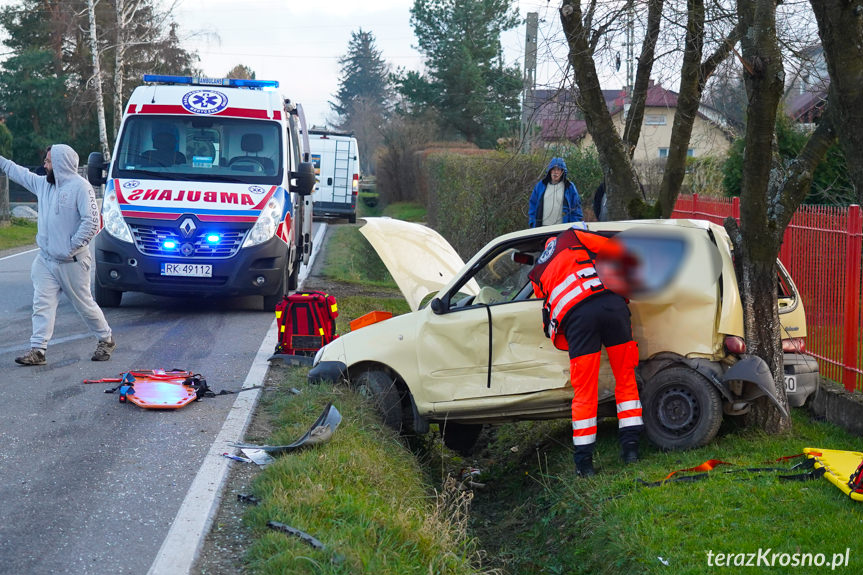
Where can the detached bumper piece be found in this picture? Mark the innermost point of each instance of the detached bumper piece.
(319, 433)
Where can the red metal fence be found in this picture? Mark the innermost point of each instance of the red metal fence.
(822, 252)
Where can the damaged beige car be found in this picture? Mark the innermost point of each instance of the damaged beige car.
(475, 352)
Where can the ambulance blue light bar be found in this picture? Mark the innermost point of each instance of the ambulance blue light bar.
(200, 81)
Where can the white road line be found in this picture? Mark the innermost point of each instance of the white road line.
(184, 541)
(19, 253)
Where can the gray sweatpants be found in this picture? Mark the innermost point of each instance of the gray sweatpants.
(51, 277)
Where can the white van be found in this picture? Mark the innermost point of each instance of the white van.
(206, 193)
(337, 166)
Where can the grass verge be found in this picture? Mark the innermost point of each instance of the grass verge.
(363, 495)
(21, 232)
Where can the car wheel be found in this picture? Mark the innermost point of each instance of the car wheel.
(682, 409)
(381, 388)
(460, 437)
(106, 297)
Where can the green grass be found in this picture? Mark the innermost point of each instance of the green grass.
(612, 524)
(362, 494)
(408, 211)
(350, 258)
(21, 232)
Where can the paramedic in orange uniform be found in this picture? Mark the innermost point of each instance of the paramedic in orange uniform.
(580, 314)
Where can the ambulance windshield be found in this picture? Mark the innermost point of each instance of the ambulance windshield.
(200, 149)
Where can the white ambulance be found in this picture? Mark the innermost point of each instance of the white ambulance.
(207, 192)
(337, 166)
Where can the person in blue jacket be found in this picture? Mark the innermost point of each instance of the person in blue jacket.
(554, 199)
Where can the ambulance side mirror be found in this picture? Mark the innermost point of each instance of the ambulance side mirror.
(303, 180)
(96, 167)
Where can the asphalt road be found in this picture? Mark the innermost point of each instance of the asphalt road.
(87, 484)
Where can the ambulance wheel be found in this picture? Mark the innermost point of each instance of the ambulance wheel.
(381, 389)
(294, 277)
(460, 437)
(106, 297)
(681, 409)
(352, 219)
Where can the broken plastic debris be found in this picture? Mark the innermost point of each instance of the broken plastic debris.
(320, 432)
(296, 533)
(663, 561)
(259, 456)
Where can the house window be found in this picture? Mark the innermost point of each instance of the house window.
(663, 152)
(654, 119)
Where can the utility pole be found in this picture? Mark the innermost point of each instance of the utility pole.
(630, 47)
(527, 98)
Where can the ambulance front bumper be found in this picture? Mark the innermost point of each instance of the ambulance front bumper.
(251, 271)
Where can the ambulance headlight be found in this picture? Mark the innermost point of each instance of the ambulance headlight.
(267, 224)
(112, 218)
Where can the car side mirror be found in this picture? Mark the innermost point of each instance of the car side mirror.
(303, 180)
(437, 306)
(96, 167)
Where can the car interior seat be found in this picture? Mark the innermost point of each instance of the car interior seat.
(251, 144)
(165, 151)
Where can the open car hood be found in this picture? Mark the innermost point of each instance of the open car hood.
(420, 260)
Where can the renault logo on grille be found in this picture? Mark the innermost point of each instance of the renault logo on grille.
(188, 227)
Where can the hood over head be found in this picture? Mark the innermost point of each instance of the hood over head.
(64, 162)
(556, 163)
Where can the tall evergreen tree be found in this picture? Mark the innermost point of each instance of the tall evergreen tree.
(364, 94)
(475, 94)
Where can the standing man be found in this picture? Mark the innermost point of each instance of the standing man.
(580, 315)
(554, 199)
(68, 220)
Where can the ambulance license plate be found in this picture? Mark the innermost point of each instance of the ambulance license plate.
(187, 270)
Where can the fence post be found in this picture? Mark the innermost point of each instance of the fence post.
(735, 208)
(694, 214)
(850, 328)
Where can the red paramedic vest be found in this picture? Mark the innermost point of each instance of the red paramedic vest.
(306, 322)
(565, 276)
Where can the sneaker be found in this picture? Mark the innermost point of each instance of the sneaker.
(35, 356)
(103, 350)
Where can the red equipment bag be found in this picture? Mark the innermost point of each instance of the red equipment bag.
(306, 322)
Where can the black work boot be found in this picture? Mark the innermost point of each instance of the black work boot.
(629, 452)
(584, 464)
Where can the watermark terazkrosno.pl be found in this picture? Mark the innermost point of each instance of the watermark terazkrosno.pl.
(770, 558)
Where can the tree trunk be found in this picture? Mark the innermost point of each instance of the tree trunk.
(693, 78)
(97, 81)
(840, 26)
(638, 92)
(621, 181)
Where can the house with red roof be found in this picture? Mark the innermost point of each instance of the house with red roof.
(559, 121)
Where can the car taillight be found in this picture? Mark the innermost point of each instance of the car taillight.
(735, 344)
(793, 345)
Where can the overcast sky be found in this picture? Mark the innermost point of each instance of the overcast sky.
(299, 43)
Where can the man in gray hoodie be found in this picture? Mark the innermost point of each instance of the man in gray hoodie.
(68, 220)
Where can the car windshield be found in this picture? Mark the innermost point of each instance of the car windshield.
(200, 149)
(502, 275)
